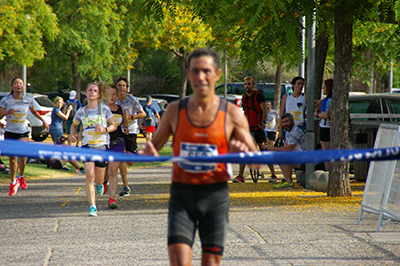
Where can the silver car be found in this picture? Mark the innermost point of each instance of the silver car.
(44, 107)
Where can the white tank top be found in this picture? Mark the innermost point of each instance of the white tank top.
(296, 106)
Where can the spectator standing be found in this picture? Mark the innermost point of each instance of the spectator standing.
(134, 111)
(270, 128)
(57, 118)
(325, 115)
(255, 111)
(199, 192)
(72, 101)
(295, 103)
(97, 121)
(149, 120)
(16, 107)
(295, 141)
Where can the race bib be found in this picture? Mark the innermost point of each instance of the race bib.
(18, 117)
(94, 138)
(118, 119)
(297, 115)
(198, 150)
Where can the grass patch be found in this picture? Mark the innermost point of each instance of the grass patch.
(36, 171)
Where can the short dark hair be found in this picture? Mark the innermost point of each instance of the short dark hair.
(329, 85)
(123, 79)
(288, 115)
(296, 79)
(200, 52)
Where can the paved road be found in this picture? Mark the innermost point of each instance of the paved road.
(47, 225)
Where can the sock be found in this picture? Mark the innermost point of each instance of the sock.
(93, 206)
(14, 182)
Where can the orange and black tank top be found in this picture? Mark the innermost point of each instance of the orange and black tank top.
(190, 140)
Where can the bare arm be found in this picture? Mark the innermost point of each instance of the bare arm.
(3, 114)
(139, 115)
(124, 122)
(72, 136)
(66, 115)
(38, 116)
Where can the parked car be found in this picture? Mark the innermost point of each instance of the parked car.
(367, 113)
(158, 105)
(268, 89)
(168, 97)
(44, 107)
(234, 98)
(62, 93)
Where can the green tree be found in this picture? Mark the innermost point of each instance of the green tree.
(89, 32)
(23, 27)
(180, 32)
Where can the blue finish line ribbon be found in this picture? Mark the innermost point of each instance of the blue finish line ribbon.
(46, 151)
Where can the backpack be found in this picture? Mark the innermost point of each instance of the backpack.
(73, 111)
(148, 119)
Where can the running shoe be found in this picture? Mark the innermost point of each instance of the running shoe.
(22, 183)
(81, 171)
(284, 184)
(238, 179)
(105, 188)
(125, 191)
(14, 188)
(92, 211)
(99, 189)
(65, 168)
(273, 179)
(112, 204)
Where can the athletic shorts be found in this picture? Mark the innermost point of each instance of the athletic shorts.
(271, 136)
(131, 143)
(10, 135)
(199, 206)
(119, 145)
(258, 135)
(324, 134)
(100, 148)
(150, 129)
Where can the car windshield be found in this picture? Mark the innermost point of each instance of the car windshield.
(364, 107)
(394, 107)
(44, 101)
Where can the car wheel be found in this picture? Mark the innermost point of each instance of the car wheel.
(40, 137)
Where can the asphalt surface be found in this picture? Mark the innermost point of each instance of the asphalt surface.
(47, 224)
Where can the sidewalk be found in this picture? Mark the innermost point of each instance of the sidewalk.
(47, 224)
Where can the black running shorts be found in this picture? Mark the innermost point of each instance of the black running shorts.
(131, 143)
(202, 206)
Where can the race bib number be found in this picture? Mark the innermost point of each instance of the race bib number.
(118, 119)
(297, 115)
(94, 138)
(18, 117)
(198, 150)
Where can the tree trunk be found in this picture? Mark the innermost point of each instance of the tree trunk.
(368, 89)
(76, 78)
(278, 85)
(339, 184)
(182, 65)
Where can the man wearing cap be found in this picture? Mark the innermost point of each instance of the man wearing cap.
(149, 120)
(75, 106)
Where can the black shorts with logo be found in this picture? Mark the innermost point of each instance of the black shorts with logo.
(199, 206)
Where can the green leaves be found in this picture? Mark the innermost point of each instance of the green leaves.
(23, 27)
